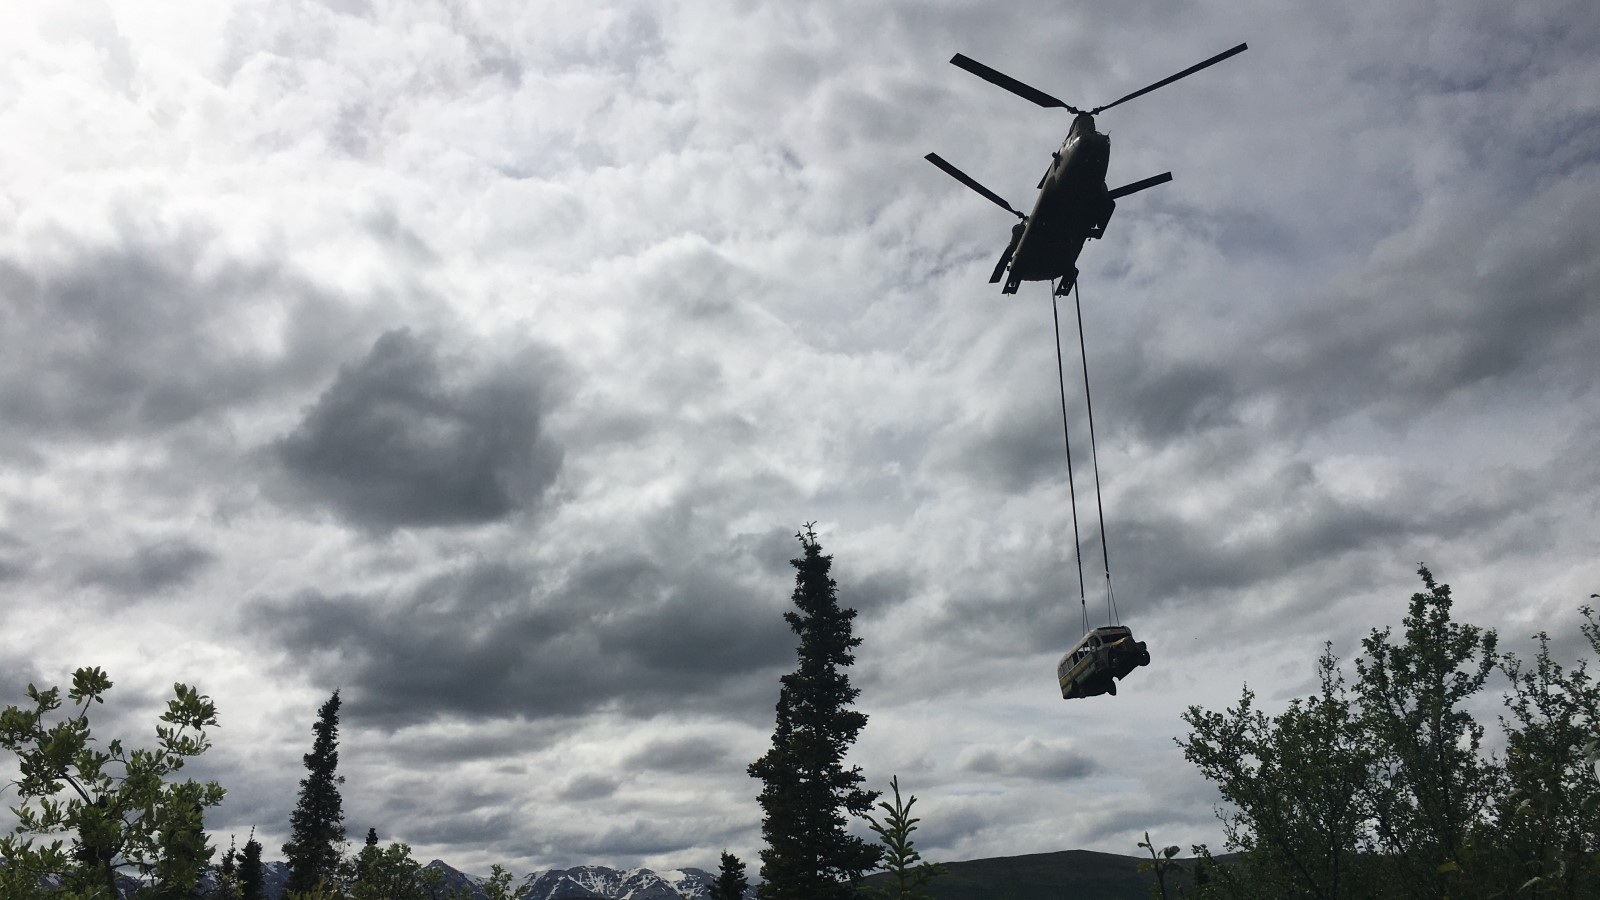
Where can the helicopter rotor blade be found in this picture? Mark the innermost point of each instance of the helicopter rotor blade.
(1000, 79)
(1005, 258)
(1137, 186)
(1166, 81)
(967, 180)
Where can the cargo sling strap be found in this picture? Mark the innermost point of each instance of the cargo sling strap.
(1094, 455)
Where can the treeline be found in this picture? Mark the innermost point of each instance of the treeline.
(1382, 788)
(135, 828)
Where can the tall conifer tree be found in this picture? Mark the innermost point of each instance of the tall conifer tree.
(806, 790)
(252, 885)
(731, 882)
(317, 823)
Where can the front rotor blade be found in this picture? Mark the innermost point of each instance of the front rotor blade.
(1166, 81)
(1137, 186)
(1005, 257)
(1001, 79)
(965, 179)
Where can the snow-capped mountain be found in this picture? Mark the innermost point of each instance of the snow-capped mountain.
(591, 882)
(577, 883)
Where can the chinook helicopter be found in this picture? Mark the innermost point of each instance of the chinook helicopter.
(1074, 204)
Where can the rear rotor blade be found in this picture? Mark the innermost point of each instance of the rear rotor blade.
(1137, 186)
(1000, 267)
(1166, 81)
(965, 179)
(1001, 79)
(1011, 247)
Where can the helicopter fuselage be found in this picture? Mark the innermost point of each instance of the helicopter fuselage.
(1073, 206)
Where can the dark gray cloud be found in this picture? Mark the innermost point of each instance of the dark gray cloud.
(479, 820)
(1135, 819)
(487, 641)
(465, 745)
(1032, 759)
(118, 340)
(679, 754)
(14, 679)
(1011, 438)
(1461, 302)
(1170, 557)
(404, 438)
(1168, 402)
(1019, 452)
(1422, 337)
(13, 556)
(588, 787)
(950, 824)
(150, 569)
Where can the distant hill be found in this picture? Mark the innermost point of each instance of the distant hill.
(1066, 875)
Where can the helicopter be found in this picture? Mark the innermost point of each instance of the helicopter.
(1074, 205)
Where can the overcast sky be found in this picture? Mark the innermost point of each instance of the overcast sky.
(482, 359)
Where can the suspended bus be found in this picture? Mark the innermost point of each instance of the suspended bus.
(1098, 660)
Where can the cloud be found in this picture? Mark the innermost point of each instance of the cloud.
(1443, 312)
(404, 437)
(588, 787)
(679, 754)
(1029, 759)
(150, 569)
(488, 641)
(115, 340)
(12, 562)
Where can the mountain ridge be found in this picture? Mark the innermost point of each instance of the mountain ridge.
(1033, 876)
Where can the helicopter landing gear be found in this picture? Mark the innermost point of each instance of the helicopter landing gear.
(1098, 229)
(1064, 286)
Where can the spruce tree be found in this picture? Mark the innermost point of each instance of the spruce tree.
(731, 882)
(317, 823)
(251, 883)
(908, 872)
(369, 854)
(806, 790)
